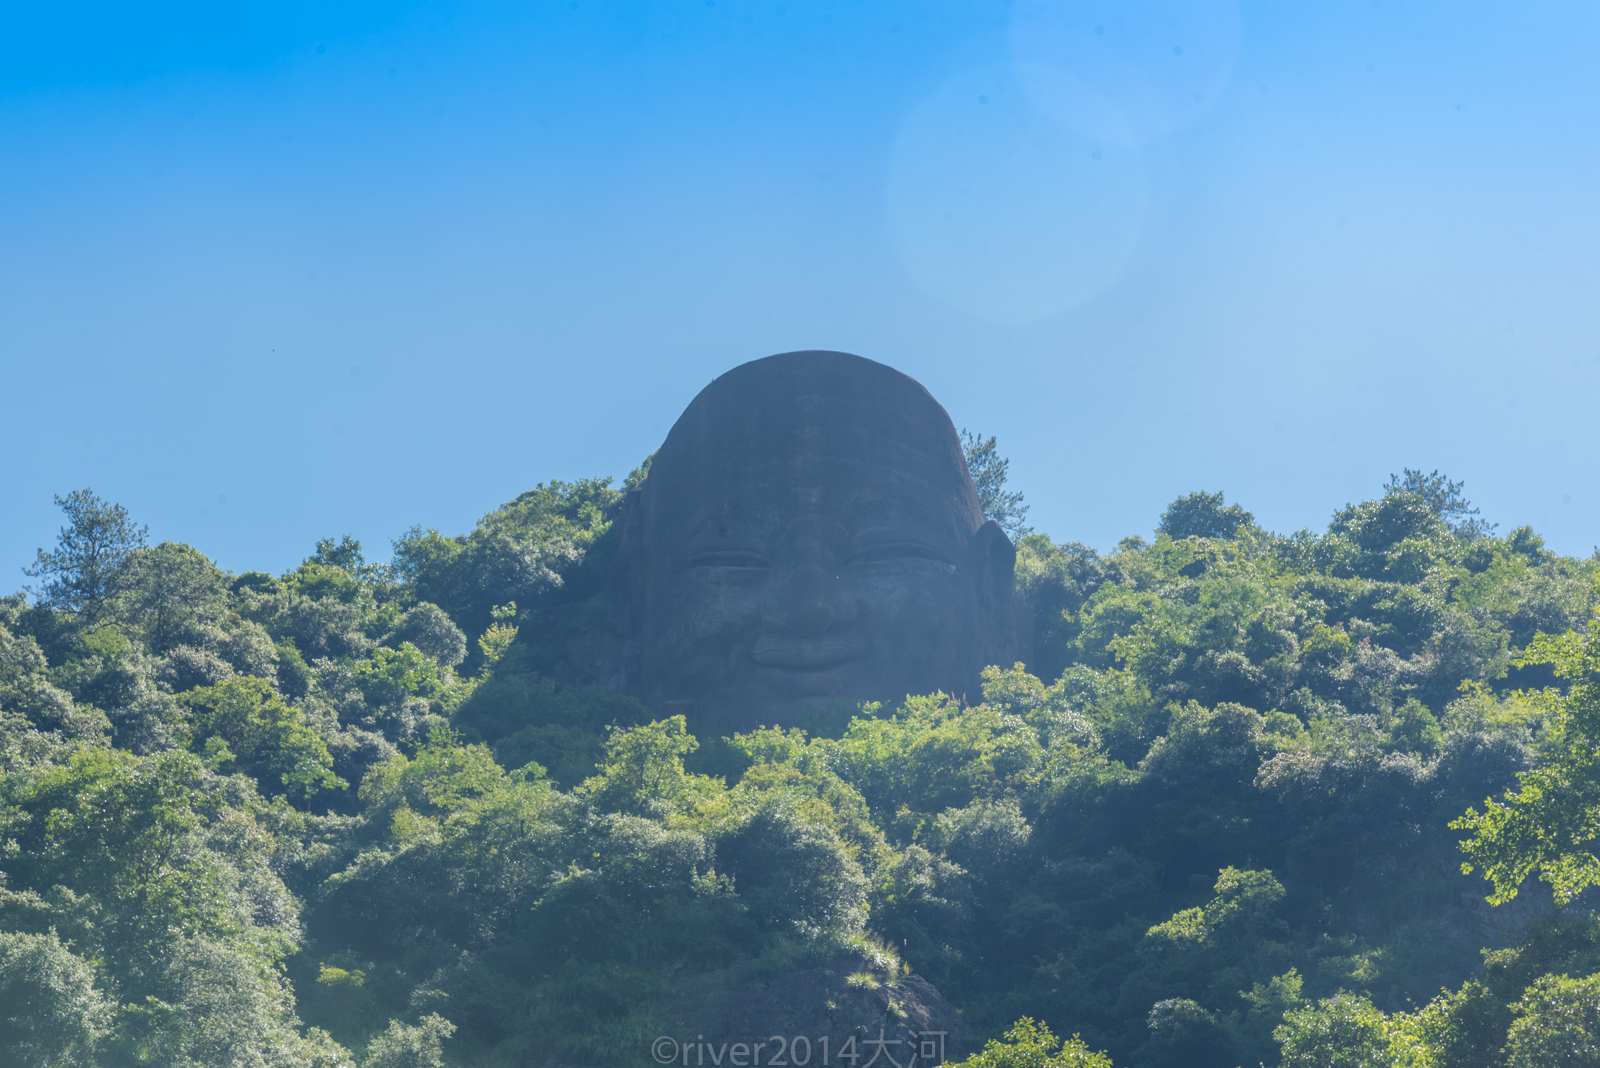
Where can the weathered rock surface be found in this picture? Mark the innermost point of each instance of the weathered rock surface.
(819, 1016)
(809, 533)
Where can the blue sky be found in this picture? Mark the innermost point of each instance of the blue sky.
(279, 272)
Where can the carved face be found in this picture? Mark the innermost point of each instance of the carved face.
(810, 532)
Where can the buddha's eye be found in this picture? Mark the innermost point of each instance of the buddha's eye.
(890, 551)
(729, 558)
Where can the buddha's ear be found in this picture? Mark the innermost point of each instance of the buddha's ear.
(992, 564)
(625, 585)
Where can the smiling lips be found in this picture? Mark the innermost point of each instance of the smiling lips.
(801, 654)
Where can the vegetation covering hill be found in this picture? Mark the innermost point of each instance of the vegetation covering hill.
(352, 813)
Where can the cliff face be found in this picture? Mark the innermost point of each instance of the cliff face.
(809, 1018)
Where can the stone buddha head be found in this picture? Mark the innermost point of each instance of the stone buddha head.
(809, 534)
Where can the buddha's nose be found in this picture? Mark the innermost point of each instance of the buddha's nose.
(810, 601)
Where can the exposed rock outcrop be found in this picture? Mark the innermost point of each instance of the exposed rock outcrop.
(840, 1014)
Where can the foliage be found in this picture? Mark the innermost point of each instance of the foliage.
(1444, 497)
(83, 572)
(1202, 515)
(410, 1047)
(52, 1013)
(1549, 824)
(1346, 1031)
(1031, 1045)
(989, 471)
(244, 720)
(528, 550)
(643, 771)
(1558, 1025)
(427, 628)
(1213, 807)
(344, 554)
(173, 593)
(161, 873)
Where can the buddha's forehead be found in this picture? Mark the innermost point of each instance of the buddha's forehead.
(814, 434)
(754, 498)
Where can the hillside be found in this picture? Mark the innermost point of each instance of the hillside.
(369, 813)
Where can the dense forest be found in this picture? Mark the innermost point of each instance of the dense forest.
(357, 813)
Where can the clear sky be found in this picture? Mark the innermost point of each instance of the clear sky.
(273, 272)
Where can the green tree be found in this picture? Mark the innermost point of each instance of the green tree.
(169, 592)
(1028, 1044)
(29, 701)
(1208, 953)
(119, 830)
(323, 610)
(159, 874)
(82, 574)
(933, 755)
(245, 719)
(1549, 824)
(403, 1046)
(428, 628)
(1257, 702)
(219, 1003)
(643, 771)
(1202, 515)
(1347, 1031)
(344, 554)
(1444, 497)
(989, 471)
(1557, 1026)
(525, 550)
(793, 872)
(1385, 532)
(1184, 1034)
(389, 676)
(51, 1014)
(1054, 581)
(1244, 909)
(444, 779)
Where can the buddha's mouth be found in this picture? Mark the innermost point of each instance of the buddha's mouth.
(801, 654)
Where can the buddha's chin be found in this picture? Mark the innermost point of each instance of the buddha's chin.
(784, 697)
(816, 685)
(817, 714)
